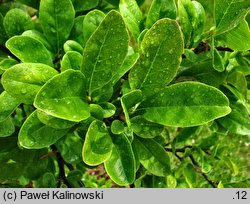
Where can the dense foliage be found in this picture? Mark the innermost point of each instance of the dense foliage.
(146, 93)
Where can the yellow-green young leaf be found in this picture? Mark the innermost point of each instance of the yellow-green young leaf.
(229, 13)
(90, 23)
(24, 80)
(57, 19)
(28, 49)
(6, 127)
(64, 96)
(161, 9)
(7, 105)
(217, 60)
(152, 156)
(186, 104)
(132, 16)
(144, 128)
(16, 21)
(54, 122)
(98, 144)
(71, 60)
(35, 135)
(238, 38)
(121, 164)
(104, 53)
(159, 62)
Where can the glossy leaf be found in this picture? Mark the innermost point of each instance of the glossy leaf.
(77, 30)
(98, 145)
(54, 122)
(162, 47)
(7, 105)
(218, 63)
(35, 135)
(71, 60)
(71, 45)
(7, 63)
(85, 5)
(64, 96)
(117, 127)
(161, 9)
(90, 23)
(24, 80)
(132, 16)
(16, 21)
(238, 38)
(57, 19)
(152, 156)
(38, 36)
(186, 104)
(229, 13)
(190, 175)
(7, 128)
(28, 49)
(121, 164)
(144, 128)
(70, 148)
(104, 52)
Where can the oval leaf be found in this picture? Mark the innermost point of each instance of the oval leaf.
(162, 48)
(57, 19)
(64, 96)
(152, 156)
(24, 80)
(28, 49)
(104, 52)
(71, 60)
(97, 146)
(121, 164)
(7, 105)
(7, 128)
(229, 13)
(186, 104)
(35, 135)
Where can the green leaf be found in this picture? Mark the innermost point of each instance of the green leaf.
(238, 38)
(64, 96)
(104, 52)
(152, 156)
(28, 49)
(218, 63)
(7, 63)
(132, 16)
(129, 100)
(144, 128)
(70, 148)
(158, 64)
(85, 5)
(7, 128)
(53, 122)
(16, 21)
(3, 35)
(161, 9)
(71, 60)
(49, 180)
(90, 23)
(97, 146)
(23, 81)
(77, 30)
(35, 135)
(7, 105)
(38, 36)
(229, 13)
(102, 110)
(71, 45)
(57, 19)
(127, 64)
(117, 127)
(186, 104)
(121, 164)
(190, 175)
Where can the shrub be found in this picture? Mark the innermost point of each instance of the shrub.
(154, 92)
